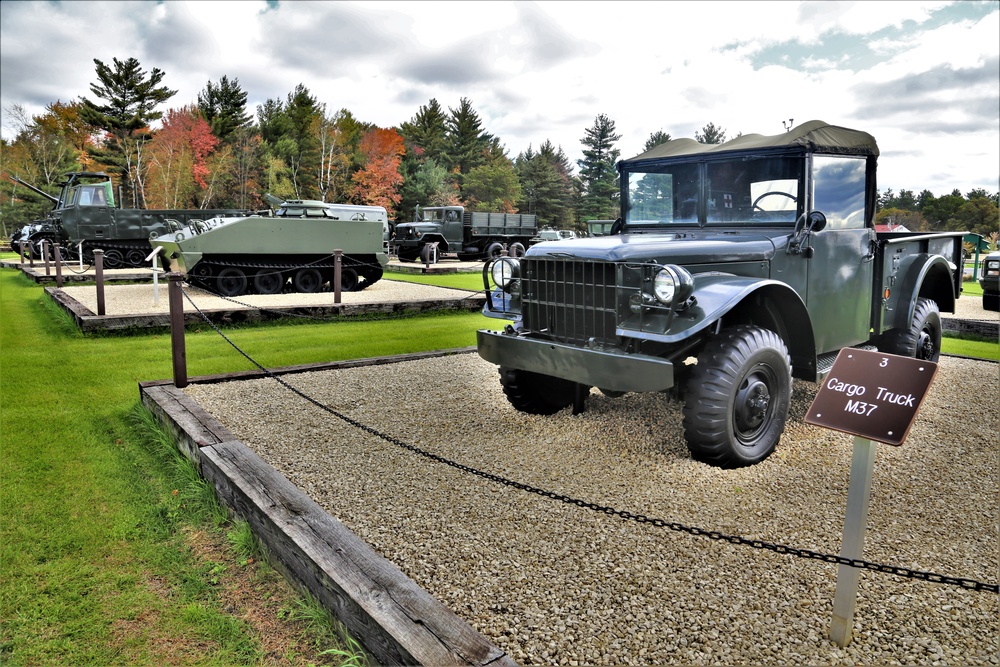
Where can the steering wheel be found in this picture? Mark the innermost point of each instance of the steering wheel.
(768, 194)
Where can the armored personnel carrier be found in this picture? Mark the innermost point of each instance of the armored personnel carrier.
(84, 215)
(294, 248)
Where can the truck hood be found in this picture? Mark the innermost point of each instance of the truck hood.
(687, 247)
(422, 227)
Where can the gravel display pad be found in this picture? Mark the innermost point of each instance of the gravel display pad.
(139, 299)
(553, 583)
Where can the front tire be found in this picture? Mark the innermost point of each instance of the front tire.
(922, 340)
(535, 393)
(737, 397)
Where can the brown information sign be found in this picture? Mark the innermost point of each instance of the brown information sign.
(872, 394)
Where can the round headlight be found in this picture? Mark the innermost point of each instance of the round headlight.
(505, 271)
(673, 285)
(664, 286)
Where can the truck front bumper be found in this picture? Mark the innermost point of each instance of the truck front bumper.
(612, 370)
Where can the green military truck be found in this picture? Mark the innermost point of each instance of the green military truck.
(467, 235)
(734, 268)
(989, 280)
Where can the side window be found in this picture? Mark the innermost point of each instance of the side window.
(839, 190)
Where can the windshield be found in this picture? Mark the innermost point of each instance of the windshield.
(438, 215)
(742, 190)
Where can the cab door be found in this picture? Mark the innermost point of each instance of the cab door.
(840, 265)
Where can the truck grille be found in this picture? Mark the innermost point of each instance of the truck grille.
(571, 300)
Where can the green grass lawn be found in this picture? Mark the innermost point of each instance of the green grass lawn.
(94, 564)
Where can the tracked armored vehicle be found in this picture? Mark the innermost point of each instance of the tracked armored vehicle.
(290, 250)
(84, 215)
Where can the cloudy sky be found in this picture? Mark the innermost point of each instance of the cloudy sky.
(922, 77)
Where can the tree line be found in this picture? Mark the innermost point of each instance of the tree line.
(216, 154)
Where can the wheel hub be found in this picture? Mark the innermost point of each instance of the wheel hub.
(752, 403)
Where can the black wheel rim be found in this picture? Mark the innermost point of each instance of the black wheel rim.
(268, 283)
(231, 282)
(926, 347)
(113, 259)
(753, 406)
(307, 280)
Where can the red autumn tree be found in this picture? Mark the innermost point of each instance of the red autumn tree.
(378, 182)
(178, 163)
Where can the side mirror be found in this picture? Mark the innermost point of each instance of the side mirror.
(816, 221)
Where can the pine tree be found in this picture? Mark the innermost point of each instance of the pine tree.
(467, 142)
(427, 132)
(224, 106)
(597, 171)
(656, 138)
(710, 134)
(131, 97)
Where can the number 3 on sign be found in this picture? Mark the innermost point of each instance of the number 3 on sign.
(885, 362)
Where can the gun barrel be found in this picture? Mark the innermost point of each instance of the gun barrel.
(54, 200)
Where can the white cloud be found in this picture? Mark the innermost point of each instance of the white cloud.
(544, 71)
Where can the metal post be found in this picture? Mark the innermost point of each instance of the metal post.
(156, 274)
(853, 546)
(177, 350)
(338, 256)
(79, 249)
(58, 260)
(45, 255)
(99, 276)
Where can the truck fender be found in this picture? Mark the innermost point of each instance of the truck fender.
(923, 275)
(766, 303)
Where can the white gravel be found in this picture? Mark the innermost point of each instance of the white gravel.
(141, 299)
(556, 584)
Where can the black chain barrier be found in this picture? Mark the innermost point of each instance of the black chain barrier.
(968, 584)
(349, 262)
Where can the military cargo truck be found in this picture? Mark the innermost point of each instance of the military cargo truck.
(292, 249)
(85, 212)
(733, 269)
(989, 280)
(467, 235)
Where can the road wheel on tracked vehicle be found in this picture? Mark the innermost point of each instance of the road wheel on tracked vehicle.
(737, 397)
(307, 280)
(231, 281)
(922, 340)
(113, 259)
(268, 281)
(348, 280)
(135, 257)
(535, 393)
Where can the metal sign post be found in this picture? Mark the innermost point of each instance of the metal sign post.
(874, 396)
(156, 274)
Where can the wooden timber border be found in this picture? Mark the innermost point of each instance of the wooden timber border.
(396, 621)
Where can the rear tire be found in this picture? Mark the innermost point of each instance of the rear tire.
(737, 397)
(991, 301)
(922, 340)
(494, 250)
(535, 393)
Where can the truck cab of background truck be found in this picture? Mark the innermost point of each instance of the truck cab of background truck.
(733, 268)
